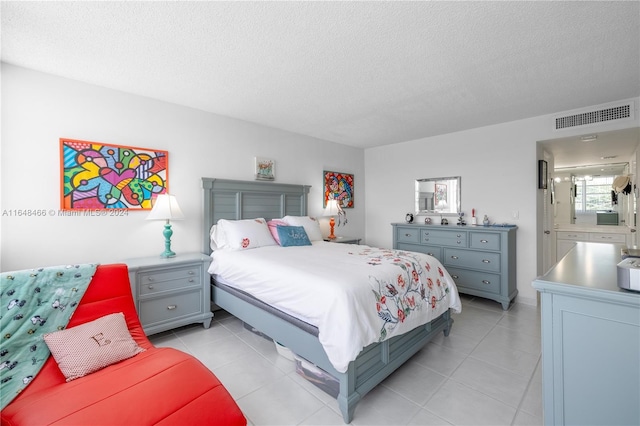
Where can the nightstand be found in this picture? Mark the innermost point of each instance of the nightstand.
(345, 240)
(171, 292)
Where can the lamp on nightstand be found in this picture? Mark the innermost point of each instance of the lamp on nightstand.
(166, 208)
(334, 209)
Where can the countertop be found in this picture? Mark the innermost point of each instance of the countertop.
(588, 268)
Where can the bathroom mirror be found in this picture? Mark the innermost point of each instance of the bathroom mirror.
(438, 195)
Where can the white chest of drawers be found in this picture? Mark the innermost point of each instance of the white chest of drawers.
(481, 260)
(171, 292)
(566, 240)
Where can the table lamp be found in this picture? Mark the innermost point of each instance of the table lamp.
(334, 209)
(166, 208)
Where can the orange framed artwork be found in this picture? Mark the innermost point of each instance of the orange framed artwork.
(96, 175)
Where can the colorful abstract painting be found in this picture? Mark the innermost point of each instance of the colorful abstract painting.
(96, 175)
(339, 186)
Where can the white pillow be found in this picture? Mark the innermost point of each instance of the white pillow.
(310, 224)
(217, 238)
(244, 234)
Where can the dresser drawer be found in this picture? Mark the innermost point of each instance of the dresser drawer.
(485, 241)
(484, 261)
(434, 251)
(607, 238)
(170, 307)
(476, 280)
(575, 236)
(408, 235)
(159, 281)
(444, 238)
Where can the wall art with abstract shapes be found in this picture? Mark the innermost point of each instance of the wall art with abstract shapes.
(97, 175)
(339, 186)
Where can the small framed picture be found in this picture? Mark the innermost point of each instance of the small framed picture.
(542, 174)
(265, 168)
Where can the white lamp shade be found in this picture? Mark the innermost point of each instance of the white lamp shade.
(332, 209)
(165, 208)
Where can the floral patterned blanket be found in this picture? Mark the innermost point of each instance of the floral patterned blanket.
(34, 302)
(356, 295)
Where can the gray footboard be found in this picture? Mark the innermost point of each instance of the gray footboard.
(373, 365)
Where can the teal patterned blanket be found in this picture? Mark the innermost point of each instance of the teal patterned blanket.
(34, 302)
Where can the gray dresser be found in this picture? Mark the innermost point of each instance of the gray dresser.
(590, 340)
(481, 260)
(171, 292)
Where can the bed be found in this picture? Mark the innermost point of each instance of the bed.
(240, 200)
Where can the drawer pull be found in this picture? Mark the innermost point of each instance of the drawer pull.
(458, 235)
(150, 287)
(484, 241)
(486, 282)
(191, 280)
(454, 257)
(407, 235)
(150, 278)
(455, 277)
(486, 261)
(426, 239)
(172, 307)
(190, 272)
(459, 242)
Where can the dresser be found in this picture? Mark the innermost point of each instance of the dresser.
(171, 292)
(481, 260)
(590, 340)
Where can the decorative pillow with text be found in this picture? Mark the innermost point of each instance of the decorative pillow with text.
(92, 346)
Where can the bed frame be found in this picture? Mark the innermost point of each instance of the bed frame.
(230, 199)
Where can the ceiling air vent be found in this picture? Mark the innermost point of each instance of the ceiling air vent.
(595, 115)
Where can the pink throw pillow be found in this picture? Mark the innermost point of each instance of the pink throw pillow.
(273, 228)
(92, 346)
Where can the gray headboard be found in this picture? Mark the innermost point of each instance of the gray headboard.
(240, 199)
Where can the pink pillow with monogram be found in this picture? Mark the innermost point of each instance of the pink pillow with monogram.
(91, 346)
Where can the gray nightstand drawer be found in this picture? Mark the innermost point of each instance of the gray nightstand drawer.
(476, 280)
(408, 235)
(479, 260)
(166, 275)
(165, 281)
(170, 307)
(485, 240)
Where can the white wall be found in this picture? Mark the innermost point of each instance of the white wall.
(498, 166)
(38, 109)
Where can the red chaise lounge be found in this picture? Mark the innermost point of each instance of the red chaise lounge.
(158, 386)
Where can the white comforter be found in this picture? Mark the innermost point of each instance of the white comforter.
(354, 294)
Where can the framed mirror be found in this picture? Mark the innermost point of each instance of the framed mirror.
(438, 195)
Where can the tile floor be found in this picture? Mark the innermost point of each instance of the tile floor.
(486, 372)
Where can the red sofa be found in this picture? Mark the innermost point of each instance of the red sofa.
(159, 386)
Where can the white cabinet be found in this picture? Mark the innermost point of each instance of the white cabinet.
(566, 240)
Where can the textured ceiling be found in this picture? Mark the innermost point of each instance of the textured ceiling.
(357, 73)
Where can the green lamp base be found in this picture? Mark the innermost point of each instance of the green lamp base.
(167, 241)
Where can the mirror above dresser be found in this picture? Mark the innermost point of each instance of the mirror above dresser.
(439, 195)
